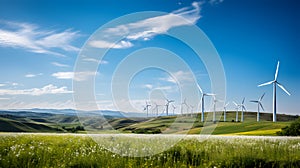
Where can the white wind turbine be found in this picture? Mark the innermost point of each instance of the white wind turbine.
(259, 104)
(237, 106)
(242, 108)
(202, 101)
(225, 110)
(275, 82)
(156, 108)
(186, 105)
(147, 107)
(174, 107)
(192, 109)
(167, 105)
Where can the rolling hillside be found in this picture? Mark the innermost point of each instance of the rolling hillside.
(27, 121)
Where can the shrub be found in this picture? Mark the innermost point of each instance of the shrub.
(292, 130)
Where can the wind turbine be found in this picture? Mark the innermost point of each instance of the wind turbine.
(259, 104)
(174, 107)
(186, 105)
(237, 106)
(147, 107)
(167, 105)
(202, 101)
(156, 108)
(192, 109)
(275, 82)
(242, 108)
(225, 109)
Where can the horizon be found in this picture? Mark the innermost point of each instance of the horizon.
(40, 44)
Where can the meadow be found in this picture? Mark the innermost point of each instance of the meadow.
(79, 150)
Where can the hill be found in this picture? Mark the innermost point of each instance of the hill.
(42, 121)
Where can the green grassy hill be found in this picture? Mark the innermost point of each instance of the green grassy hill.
(151, 125)
(230, 127)
(23, 125)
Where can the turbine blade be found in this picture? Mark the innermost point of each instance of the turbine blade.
(261, 97)
(226, 104)
(243, 100)
(283, 88)
(235, 103)
(254, 101)
(244, 108)
(276, 73)
(200, 89)
(267, 83)
(210, 94)
(261, 106)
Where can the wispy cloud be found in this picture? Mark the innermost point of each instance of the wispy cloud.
(31, 38)
(89, 59)
(150, 27)
(63, 75)
(148, 86)
(78, 76)
(33, 75)
(59, 64)
(106, 44)
(48, 89)
(178, 76)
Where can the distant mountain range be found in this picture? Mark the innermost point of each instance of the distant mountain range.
(70, 112)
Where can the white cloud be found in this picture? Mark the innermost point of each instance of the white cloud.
(179, 76)
(148, 28)
(33, 39)
(104, 44)
(89, 59)
(148, 86)
(164, 88)
(32, 75)
(2, 84)
(48, 89)
(59, 64)
(79, 76)
(63, 75)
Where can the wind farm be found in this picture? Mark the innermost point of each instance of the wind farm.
(142, 84)
(186, 109)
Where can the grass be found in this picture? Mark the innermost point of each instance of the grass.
(35, 150)
(165, 124)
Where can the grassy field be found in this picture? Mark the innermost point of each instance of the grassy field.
(248, 127)
(61, 150)
(57, 123)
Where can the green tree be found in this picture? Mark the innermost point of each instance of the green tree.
(292, 130)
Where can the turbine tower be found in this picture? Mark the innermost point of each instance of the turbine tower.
(147, 107)
(237, 106)
(167, 105)
(214, 113)
(259, 104)
(202, 101)
(225, 110)
(275, 83)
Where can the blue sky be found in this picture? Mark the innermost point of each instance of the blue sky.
(40, 41)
